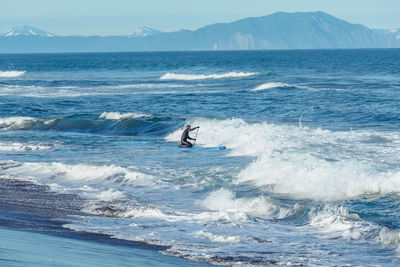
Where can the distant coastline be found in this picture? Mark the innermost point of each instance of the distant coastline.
(301, 30)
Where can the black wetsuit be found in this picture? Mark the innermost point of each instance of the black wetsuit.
(185, 137)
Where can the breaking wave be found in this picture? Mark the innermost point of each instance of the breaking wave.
(21, 147)
(17, 122)
(305, 163)
(224, 200)
(189, 77)
(266, 86)
(119, 116)
(11, 74)
(79, 177)
(338, 222)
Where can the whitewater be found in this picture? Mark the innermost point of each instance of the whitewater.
(310, 176)
(11, 74)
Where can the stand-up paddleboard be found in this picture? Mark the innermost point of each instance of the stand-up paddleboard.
(196, 147)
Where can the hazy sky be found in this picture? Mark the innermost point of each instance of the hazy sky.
(115, 17)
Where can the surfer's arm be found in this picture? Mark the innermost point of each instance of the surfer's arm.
(191, 138)
(192, 129)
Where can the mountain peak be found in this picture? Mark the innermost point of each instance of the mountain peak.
(27, 31)
(282, 30)
(143, 32)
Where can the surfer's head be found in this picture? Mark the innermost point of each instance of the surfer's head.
(188, 126)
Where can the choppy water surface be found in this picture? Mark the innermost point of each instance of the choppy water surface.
(311, 175)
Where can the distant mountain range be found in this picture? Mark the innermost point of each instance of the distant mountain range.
(31, 31)
(301, 30)
(26, 31)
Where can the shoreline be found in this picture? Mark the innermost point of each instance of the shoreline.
(22, 247)
(32, 216)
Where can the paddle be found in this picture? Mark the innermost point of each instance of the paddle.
(195, 138)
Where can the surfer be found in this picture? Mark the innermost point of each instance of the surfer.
(185, 136)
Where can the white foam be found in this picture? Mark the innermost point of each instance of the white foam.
(11, 74)
(389, 238)
(224, 200)
(75, 176)
(312, 178)
(164, 213)
(337, 222)
(189, 77)
(119, 116)
(306, 163)
(233, 130)
(110, 195)
(15, 122)
(21, 147)
(218, 238)
(240, 137)
(175, 216)
(266, 86)
(150, 212)
(219, 215)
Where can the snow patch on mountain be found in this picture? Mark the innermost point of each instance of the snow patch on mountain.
(143, 32)
(26, 31)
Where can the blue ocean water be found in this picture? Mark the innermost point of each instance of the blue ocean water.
(310, 176)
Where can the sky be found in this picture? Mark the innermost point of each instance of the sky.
(116, 17)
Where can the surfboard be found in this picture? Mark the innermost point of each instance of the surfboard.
(196, 147)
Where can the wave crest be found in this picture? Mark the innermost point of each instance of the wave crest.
(119, 116)
(17, 122)
(114, 124)
(224, 200)
(62, 175)
(304, 163)
(11, 74)
(266, 86)
(189, 77)
(338, 222)
(20, 147)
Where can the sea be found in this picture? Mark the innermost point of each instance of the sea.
(310, 175)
